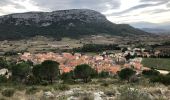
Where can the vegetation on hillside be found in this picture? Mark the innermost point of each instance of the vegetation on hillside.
(62, 28)
(96, 48)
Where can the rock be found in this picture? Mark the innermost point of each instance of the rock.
(97, 96)
(72, 98)
(167, 94)
(48, 94)
(69, 92)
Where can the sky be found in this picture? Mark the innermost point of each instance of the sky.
(117, 11)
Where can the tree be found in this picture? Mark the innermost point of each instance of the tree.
(37, 74)
(104, 74)
(36, 71)
(84, 72)
(126, 73)
(68, 77)
(21, 71)
(51, 68)
(48, 70)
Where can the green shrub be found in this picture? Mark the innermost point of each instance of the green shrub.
(2, 99)
(32, 80)
(151, 72)
(69, 81)
(44, 83)
(3, 79)
(87, 98)
(105, 84)
(134, 79)
(47, 89)
(20, 87)
(31, 90)
(164, 79)
(84, 96)
(104, 74)
(8, 92)
(128, 93)
(66, 76)
(62, 87)
(110, 93)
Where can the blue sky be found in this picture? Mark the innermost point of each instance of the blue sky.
(117, 11)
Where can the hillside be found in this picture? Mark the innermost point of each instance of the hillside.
(64, 23)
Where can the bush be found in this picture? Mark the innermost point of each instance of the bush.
(105, 84)
(44, 83)
(84, 96)
(104, 74)
(96, 48)
(2, 99)
(62, 87)
(151, 72)
(69, 81)
(32, 80)
(8, 92)
(68, 77)
(110, 93)
(134, 79)
(3, 79)
(31, 90)
(128, 93)
(164, 79)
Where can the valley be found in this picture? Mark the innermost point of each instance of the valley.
(78, 54)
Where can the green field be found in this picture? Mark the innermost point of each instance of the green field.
(158, 63)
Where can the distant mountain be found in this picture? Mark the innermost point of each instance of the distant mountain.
(156, 30)
(153, 27)
(63, 23)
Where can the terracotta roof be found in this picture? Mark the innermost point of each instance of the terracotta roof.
(66, 69)
(115, 69)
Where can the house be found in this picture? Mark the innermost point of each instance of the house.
(114, 69)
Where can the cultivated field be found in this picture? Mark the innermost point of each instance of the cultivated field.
(158, 63)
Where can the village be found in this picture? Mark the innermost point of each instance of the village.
(126, 61)
(112, 62)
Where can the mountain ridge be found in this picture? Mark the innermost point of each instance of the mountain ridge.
(63, 23)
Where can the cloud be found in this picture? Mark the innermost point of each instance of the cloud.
(141, 6)
(168, 5)
(4, 2)
(99, 5)
(154, 0)
(17, 6)
(158, 11)
(11, 2)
